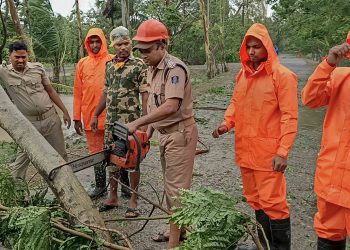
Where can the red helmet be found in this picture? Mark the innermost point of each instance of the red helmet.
(151, 30)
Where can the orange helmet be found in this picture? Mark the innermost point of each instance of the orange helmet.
(151, 30)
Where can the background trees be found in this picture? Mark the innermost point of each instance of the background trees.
(307, 27)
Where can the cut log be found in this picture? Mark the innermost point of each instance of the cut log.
(68, 190)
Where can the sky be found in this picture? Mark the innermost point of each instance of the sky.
(64, 7)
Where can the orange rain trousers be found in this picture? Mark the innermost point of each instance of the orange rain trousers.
(331, 222)
(266, 190)
(95, 140)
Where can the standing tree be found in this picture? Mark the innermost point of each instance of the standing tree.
(19, 29)
(81, 42)
(125, 13)
(209, 57)
(4, 30)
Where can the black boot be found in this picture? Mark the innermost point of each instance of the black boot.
(324, 244)
(100, 179)
(124, 178)
(281, 234)
(264, 221)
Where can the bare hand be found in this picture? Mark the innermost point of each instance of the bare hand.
(338, 53)
(94, 123)
(66, 119)
(132, 127)
(279, 164)
(221, 129)
(78, 126)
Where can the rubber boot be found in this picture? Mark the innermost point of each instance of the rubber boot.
(100, 179)
(324, 244)
(124, 178)
(281, 234)
(264, 221)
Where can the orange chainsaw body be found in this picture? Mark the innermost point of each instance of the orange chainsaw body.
(137, 150)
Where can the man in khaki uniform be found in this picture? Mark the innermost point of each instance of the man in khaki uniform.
(30, 90)
(170, 113)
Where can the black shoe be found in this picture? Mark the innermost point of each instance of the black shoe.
(264, 221)
(98, 192)
(246, 247)
(100, 179)
(126, 193)
(124, 178)
(281, 234)
(324, 244)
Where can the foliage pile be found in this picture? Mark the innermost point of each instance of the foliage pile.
(214, 221)
(11, 196)
(26, 228)
(7, 151)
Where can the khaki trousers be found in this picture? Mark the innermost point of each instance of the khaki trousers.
(51, 129)
(177, 152)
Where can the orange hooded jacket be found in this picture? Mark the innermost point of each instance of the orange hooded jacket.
(89, 81)
(330, 86)
(263, 108)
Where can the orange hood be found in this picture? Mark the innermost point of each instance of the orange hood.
(96, 32)
(260, 32)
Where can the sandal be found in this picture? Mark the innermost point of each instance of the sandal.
(132, 213)
(105, 207)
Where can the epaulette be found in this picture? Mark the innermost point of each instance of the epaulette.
(36, 64)
(170, 63)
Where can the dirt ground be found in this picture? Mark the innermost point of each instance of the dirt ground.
(217, 169)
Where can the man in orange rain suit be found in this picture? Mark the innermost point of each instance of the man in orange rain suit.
(88, 85)
(329, 86)
(264, 110)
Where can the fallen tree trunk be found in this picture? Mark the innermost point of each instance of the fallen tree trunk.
(70, 193)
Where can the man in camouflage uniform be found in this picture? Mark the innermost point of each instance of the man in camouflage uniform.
(125, 81)
(29, 88)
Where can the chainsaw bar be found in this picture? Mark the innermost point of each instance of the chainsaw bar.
(83, 163)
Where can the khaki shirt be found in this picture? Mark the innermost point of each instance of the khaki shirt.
(176, 84)
(26, 89)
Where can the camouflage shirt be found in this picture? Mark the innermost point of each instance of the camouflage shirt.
(124, 83)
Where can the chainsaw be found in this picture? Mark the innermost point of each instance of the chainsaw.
(126, 152)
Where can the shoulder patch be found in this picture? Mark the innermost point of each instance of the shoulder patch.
(174, 79)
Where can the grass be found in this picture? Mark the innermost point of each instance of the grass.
(217, 90)
(7, 152)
